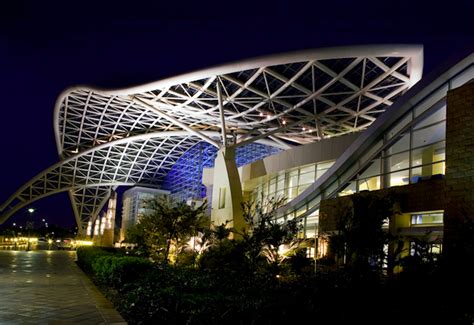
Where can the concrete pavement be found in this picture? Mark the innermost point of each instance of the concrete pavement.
(47, 287)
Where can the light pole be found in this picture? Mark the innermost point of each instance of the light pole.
(15, 239)
(29, 225)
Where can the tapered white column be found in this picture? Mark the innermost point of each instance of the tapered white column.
(227, 191)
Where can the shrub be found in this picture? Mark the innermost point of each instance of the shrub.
(227, 256)
(87, 255)
(119, 270)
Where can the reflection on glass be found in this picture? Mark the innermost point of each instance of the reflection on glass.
(372, 170)
(429, 135)
(398, 161)
(438, 116)
(400, 125)
(401, 145)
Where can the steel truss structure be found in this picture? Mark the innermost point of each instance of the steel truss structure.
(134, 136)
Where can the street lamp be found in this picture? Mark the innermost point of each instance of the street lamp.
(29, 225)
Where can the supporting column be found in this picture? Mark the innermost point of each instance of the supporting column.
(109, 227)
(227, 191)
(459, 213)
(104, 226)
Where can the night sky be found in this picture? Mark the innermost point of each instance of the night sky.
(47, 47)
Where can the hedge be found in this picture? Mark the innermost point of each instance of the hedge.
(117, 271)
(110, 267)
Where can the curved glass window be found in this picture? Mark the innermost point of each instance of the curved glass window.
(411, 150)
(289, 184)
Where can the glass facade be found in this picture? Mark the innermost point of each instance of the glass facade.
(411, 150)
(290, 183)
(184, 180)
(419, 153)
(133, 205)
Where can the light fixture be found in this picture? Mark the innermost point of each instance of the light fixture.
(31, 210)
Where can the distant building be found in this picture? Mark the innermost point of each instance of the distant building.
(133, 205)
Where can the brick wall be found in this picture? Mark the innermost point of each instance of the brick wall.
(459, 167)
(423, 196)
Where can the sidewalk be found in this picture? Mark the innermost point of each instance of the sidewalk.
(47, 287)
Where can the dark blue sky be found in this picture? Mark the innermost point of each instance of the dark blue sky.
(47, 47)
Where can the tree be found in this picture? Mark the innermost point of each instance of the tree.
(168, 225)
(361, 237)
(257, 247)
(265, 236)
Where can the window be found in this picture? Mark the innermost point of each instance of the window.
(427, 218)
(272, 188)
(399, 178)
(429, 135)
(350, 189)
(369, 184)
(401, 145)
(322, 168)
(307, 177)
(422, 248)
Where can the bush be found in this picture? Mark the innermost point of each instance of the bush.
(227, 256)
(119, 270)
(87, 255)
(110, 266)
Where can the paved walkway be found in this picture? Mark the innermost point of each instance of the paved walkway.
(46, 287)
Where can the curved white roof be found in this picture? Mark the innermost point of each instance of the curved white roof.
(107, 138)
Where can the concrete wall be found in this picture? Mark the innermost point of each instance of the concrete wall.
(328, 149)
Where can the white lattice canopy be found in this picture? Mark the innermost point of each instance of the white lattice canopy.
(108, 138)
